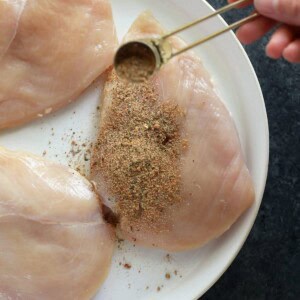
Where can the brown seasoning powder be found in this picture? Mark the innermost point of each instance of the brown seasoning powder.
(135, 69)
(138, 154)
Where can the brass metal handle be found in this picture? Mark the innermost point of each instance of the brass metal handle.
(217, 12)
(213, 35)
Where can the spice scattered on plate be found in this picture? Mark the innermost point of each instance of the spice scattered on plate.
(127, 266)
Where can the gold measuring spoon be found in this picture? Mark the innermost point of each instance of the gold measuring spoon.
(137, 60)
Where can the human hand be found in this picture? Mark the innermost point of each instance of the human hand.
(285, 42)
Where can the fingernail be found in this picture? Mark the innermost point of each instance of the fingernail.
(265, 6)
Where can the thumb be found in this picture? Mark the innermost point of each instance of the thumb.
(286, 11)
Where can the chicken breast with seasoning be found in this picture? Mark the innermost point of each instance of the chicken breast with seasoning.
(168, 160)
(50, 51)
(54, 243)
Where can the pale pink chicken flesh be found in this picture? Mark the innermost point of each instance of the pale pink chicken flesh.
(216, 184)
(54, 243)
(50, 51)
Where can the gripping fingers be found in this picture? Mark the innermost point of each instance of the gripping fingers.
(254, 30)
(292, 52)
(283, 36)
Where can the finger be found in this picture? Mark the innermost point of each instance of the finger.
(286, 11)
(254, 30)
(292, 52)
(283, 36)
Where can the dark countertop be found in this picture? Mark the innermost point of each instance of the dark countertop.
(268, 266)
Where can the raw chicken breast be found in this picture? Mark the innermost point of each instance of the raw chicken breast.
(50, 51)
(54, 243)
(10, 12)
(214, 185)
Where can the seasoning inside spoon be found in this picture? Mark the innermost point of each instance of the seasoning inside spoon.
(137, 61)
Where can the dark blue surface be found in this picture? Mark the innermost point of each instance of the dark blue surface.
(268, 266)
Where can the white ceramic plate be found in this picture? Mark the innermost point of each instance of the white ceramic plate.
(237, 84)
